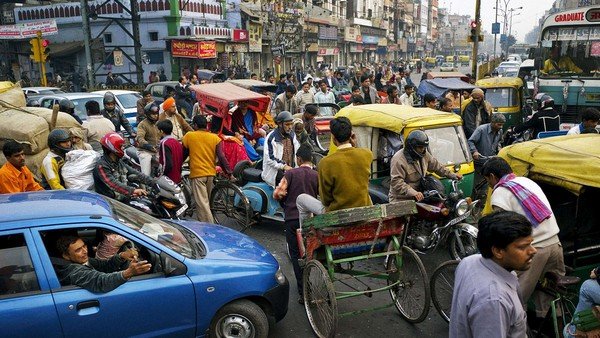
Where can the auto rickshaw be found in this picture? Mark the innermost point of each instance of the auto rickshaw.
(566, 168)
(382, 128)
(508, 96)
(441, 86)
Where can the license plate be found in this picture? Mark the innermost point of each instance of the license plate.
(459, 219)
(181, 210)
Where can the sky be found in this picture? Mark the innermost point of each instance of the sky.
(521, 23)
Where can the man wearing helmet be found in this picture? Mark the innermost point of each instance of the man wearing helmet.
(545, 119)
(59, 142)
(280, 149)
(410, 165)
(148, 137)
(66, 106)
(110, 173)
(114, 114)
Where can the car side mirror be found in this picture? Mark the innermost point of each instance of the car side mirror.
(171, 266)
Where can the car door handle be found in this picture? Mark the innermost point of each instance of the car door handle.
(88, 304)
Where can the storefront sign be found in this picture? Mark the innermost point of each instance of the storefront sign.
(354, 48)
(255, 38)
(329, 51)
(369, 39)
(194, 49)
(351, 34)
(28, 29)
(239, 35)
(327, 33)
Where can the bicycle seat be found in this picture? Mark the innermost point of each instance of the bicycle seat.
(252, 175)
(561, 281)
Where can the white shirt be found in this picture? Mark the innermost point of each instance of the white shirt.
(574, 131)
(407, 100)
(328, 97)
(545, 233)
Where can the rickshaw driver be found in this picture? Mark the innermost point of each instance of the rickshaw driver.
(410, 165)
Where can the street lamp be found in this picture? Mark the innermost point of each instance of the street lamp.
(511, 10)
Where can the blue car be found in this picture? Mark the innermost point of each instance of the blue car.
(206, 280)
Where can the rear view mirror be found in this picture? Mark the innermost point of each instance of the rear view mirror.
(171, 266)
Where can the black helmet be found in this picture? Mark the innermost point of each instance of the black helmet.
(284, 116)
(416, 138)
(66, 106)
(57, 136)
(109, 98)
(543, 101)
(149, 109)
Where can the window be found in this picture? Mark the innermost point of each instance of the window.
(156, 56)
(153, 36)
(157, 91)
(107, 37)
(17, 274)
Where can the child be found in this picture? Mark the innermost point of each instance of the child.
(110, 245)
(300, 180)
(170, 151)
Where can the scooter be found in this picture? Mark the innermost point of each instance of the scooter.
(442, 218)
(165, 199)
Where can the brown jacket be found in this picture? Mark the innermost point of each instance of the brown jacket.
(406, 174)
(147, 135)
(184, 125)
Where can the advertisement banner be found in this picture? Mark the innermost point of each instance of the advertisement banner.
(351, 34)
(29, 29)
(207, 50)
(254, 38)
(368, 39)
(184, 49)
(239, 35)
(328, 51)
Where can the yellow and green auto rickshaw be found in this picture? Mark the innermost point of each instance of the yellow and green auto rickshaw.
(507, 95)
(566, 168)
(382, 128)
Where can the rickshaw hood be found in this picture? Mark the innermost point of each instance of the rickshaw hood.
(570, 162)
(500, 82)
(396, 117)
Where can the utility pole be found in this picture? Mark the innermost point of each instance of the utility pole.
(89, 69)
(495, 34)
(476, 40)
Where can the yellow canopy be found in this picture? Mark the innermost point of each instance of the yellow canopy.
(395, 117)
(571, 162)
(500, 82)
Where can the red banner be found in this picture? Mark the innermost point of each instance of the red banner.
(194, 49)
(240, 35)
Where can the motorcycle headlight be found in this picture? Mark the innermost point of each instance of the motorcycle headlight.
(461, 207)
(280, 277)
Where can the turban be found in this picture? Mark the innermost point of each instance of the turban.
(170, 102)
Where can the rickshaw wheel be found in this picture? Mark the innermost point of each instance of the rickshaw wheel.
(239, 168)
(319, 299)
(442, 287)
(411, 296)
(230, 207)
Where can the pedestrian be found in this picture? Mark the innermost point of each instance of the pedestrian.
(430, 101)
(407, 98)
(485, 299)
(392, 96)
(324, 95)
(525, 197)
(77, 139)
(486, 139)
(183, 96)
(279, 152)
(170, 152)
(476, 113)
(96, 125)
(445, 105)
(286, 101)
(300, 180)
(147, 139)
(180, 125)
(589, 120)
(304, 96)
(368, 93)
(14, 174)
(203, 147)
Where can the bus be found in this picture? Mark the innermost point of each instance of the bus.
(567, 61)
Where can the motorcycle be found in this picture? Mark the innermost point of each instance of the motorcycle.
(165, 199)
(442, 218)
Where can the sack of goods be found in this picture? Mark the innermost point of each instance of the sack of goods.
(77, 172)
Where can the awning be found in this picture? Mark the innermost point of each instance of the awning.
(438, 86)
(65, 48)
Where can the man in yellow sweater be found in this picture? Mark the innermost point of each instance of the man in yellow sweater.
(343, 175)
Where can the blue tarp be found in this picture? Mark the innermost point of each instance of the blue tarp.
(438, 87)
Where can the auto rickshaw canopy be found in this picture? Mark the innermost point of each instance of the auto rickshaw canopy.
(395, 117)
(500, 82)
(571, 162)
(254, 85)
(439, 86)
(446, 75)
(215, 98)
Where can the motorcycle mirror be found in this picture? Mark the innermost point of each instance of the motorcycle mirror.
(457, 167)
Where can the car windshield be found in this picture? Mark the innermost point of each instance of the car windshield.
(501, 97)
(129, 100)
(168, 234)
(448, 145)
(80, 105)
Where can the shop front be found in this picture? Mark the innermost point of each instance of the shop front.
(189, 53)
(237, 48)
(353, 42)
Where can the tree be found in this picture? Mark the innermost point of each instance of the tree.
(510, 40)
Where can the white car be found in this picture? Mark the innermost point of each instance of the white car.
(514, 57)
(41, 90)
(127, 102)
(447, 67)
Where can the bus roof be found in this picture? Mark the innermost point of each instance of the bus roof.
(575, 17)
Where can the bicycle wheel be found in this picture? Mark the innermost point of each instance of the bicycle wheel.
(411, 295)
(319, 300)
(442, 286)
(230, 207)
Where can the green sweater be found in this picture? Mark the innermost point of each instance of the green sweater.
(344, 179)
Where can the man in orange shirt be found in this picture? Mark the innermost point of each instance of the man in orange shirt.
(14, 174)
(202, 147)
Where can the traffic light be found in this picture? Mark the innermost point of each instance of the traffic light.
(44, 50)
(474, 36)
(35, 50)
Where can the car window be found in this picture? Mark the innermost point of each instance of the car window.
(47, 103)
(167, 234)
(501, 97)
(157, 91)
(80, 105)
(17, 274)
(129, 100)
(448, 145)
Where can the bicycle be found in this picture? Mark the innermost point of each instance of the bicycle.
(442, 286)
(562, 308)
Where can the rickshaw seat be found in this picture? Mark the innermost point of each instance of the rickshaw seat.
(379, 194)
(252, 175)
(561, 281)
